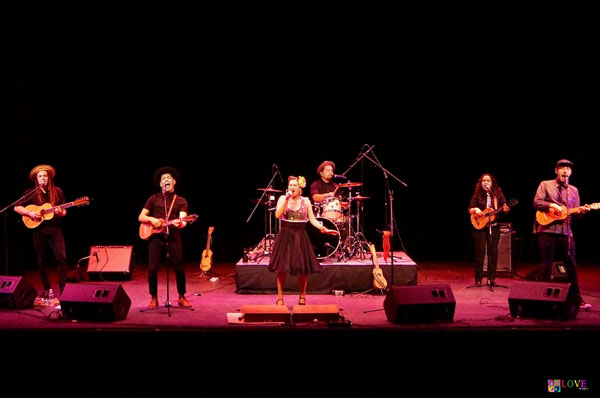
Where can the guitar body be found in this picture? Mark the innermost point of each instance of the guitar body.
(40, 210)
(207, 254)
(546, 217)
(480, 221)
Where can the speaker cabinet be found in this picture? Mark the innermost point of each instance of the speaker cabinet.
(559, 272)
(419, 304)
(94, 301)
(110, 263)
(266, 313)
(16, 293)
(551, 300)
(504, 263)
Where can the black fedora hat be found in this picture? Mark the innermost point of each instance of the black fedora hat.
(165, 170)
(564, 162)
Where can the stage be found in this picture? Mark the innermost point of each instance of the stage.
(481, 345)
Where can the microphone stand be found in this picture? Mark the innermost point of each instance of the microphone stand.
(390, 200)
(23, 198)
(168, 257)
(268, 221)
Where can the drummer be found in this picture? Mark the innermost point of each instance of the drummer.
(324, 187)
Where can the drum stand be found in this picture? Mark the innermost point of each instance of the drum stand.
(264, 248)
(355, 245)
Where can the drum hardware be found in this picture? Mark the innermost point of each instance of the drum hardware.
(324, 245)
(355, 244)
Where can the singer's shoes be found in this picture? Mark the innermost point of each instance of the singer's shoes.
(302, 300)
(279, 302)
(153, 303)
(585, 306)
(182, 302)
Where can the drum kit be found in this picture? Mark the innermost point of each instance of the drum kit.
(340, 213)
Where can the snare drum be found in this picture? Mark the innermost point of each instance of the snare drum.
(332, 208)
(324, 245)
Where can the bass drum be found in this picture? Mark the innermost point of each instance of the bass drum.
(324, 245)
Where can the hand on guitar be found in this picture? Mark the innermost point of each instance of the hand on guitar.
(34, 216)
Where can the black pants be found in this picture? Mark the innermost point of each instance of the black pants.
(558, 247)
(157, 255)
(44, 241)
(483, 243)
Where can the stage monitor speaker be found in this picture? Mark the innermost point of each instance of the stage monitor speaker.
(16, 293)
(419, 304)
(316, 313)
(95, 301)
(551, 300)
(110, 263)
(266, 313)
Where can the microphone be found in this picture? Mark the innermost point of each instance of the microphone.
(566, 181)
(42, 185)
(278, 173)
(340, 176)
(328, 245)
(288, 193)
(96, 255)
(164, 190)
(486, 187)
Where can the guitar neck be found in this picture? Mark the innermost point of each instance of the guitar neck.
(208, 243)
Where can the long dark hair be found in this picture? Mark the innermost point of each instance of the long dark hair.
(479, 191)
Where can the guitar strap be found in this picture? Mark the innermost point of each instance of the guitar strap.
(171, 207)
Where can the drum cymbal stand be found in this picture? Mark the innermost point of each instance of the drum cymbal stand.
(356, 243)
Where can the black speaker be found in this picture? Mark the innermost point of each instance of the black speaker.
(94, 301)
(551, 300)
(16, 293)
(559, 272)
(110, 263)
(419, 304)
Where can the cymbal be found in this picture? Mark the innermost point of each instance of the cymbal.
(269, 189)
(350, 184)
(361, 197)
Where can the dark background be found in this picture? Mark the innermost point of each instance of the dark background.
(109, 93)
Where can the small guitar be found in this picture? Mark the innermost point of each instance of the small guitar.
(488, 215)
(46, 211)
(147, 229)
(379, 281)
(207, 254)
(546, 217)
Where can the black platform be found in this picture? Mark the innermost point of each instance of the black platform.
(354, 275)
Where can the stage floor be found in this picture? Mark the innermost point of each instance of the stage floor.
(496, 346)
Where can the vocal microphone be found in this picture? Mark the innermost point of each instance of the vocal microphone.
(340, 176)
(566, 181)
(42, 185)
(278, 173)
(288, 194)
(164, 190)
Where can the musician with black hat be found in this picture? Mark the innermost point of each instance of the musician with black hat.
(559, 200)
(165, 207)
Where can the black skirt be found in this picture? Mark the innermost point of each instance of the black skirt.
(293, 251)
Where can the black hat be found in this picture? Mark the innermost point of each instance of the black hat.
(564, 162)
(165, 170)
(325, 163)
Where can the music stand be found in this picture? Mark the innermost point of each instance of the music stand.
(167, 304)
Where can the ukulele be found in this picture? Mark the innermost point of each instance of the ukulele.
(488, 215)
(546, 217)
(46, 211)
(147, 229)
(379, 281)
(207, 254)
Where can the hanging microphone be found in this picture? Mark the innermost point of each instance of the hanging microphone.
(278, 173)
(340, 176)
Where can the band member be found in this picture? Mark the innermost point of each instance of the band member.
(487, 195)
(324, 187)
(47, 235)
(556, 240)
(292, 250)
(161, 244)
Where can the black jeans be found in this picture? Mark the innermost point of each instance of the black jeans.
(157, 255)
(45, 240)
(483, 243)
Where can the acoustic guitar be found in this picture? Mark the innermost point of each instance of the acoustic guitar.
(46, 211)
(147, 229)
(546, 217)
(207, 254)
(379, 281)
(489, 215)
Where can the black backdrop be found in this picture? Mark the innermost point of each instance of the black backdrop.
(107, 94)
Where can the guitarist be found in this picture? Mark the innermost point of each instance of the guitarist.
(48, 235)
(487, 197)
(161, 244)
(556, 239)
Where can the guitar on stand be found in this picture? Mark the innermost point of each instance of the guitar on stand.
(207, 254)
(379, 281)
